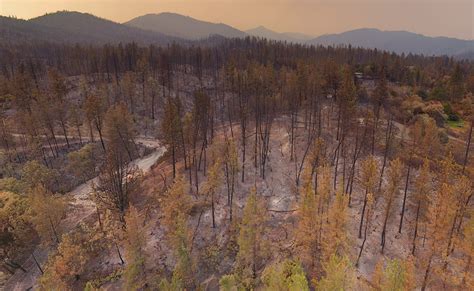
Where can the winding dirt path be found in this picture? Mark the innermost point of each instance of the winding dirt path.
(81, 207)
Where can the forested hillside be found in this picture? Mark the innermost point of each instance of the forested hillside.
(243, 165)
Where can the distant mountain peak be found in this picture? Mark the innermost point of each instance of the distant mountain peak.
(369, 29)
(183, 26)
(168, 13)
(68, 16)
(65, 13)
(396, 41)
(164, 14)
(261, 28)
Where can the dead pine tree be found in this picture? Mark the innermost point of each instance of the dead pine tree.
(368, 222)
(394, 177)
(368, 180)
(346, 114)
(388, 140)
(407, 182)
(422, 190)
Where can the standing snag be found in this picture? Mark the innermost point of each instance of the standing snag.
(390, 194)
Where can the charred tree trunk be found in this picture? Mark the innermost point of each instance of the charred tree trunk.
(427, 273)
(466, 155)
(36, 262)
(63, 126)
(363, 213)
(407, 181)
(363, 242)
(173, 156)
(213, 210)
(388, 138)
(415, 234)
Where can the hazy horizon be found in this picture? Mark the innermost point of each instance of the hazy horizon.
(449, 18)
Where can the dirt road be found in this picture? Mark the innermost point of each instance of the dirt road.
(81, 207)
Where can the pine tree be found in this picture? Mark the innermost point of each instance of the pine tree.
(379, 98)
(377, 275)
(456, 84)
(180, 243)
(458, 188)
(250, 241)
(128, 87)
(59, 102)
(119, 132)
(396, 276)
(95, 108)
(462, 190)
(47, 211)
(175, 202)
(368, 223)
(176, 207)
(135, 256)
(426, 137)
(440, 212)
(368, 181)
(170, 129)
(285, 276)
(468, 105)
(346, 103)
(231, 170)
(35, 174)
(16, 233)
(425, 143)
(467, 246)
(214, 176)
(323, 191)
(81, 163)
(307, 236)
(76, 118)
(118, 182)
(66, 265)
(335, 239)
(394, 179)
(422, 190)
(339, 274)
(228, 283)
(112, 230)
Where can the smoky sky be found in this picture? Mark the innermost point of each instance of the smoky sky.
(453, 18)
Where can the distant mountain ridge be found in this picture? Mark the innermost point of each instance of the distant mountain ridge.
(264, 32)
(14, 30)
(98, 29)
(76, 27)
(397, 41)
(183, 26)
(165, 28)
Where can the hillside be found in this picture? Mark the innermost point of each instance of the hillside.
(97, 30)
(18, 30)
(75, 27)
(397, 41)
(183, 26)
